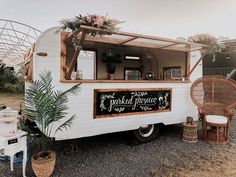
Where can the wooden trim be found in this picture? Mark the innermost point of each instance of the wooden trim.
(94, 102)
(131, 89)
(76, 54)
(71, 35)
(29, 75)
(125, 81)
(29, 61)
(63, 67)
(165, 46)
(130, 113)
(187, 65)
(30, 72)
(128, 40)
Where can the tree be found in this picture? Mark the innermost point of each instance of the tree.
(6, 76)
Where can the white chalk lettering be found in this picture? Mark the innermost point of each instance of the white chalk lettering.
(123, 102)
(144, 101)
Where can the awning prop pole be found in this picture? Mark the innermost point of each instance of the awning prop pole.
(199, 60)
(76, 54)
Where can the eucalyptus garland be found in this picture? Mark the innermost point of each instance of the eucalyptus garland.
(102, 22)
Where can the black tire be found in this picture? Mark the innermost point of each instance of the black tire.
(147, 134)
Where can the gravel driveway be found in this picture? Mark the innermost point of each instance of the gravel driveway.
(115, 155)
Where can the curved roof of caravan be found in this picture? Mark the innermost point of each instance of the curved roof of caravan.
(15, 39)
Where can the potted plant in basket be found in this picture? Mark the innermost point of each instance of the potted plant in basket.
(45, 107)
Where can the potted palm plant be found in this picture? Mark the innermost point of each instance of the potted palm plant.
(46, 106)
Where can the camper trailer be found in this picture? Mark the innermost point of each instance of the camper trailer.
(128, 81)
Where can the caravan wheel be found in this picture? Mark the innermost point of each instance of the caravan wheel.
(146, 133)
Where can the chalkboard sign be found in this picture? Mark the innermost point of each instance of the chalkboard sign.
(118, 102)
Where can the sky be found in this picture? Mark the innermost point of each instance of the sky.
(167, 18)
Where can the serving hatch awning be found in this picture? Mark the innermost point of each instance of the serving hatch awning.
(129, 39)
(139, 40)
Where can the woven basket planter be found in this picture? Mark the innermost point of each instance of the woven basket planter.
(43, 167)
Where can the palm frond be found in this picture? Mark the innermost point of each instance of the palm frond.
(66, 124)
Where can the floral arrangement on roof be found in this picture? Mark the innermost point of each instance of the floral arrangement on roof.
(102, 22)
(214, 43)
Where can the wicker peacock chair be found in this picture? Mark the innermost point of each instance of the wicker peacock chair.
(215, 98)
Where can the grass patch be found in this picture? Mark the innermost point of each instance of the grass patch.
(12, 100)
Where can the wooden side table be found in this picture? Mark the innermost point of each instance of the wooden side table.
(190, 133)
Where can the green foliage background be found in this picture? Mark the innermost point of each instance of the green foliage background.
(11, 82)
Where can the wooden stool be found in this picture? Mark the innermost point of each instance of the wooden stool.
(190, 133)
(216, 129)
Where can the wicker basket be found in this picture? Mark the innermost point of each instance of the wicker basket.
(43, 167)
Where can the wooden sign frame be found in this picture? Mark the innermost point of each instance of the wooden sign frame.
(130, 113)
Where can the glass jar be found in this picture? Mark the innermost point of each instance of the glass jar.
(79, 74)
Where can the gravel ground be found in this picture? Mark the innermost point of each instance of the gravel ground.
(114, 155)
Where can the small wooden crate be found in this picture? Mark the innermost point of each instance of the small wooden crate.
(190, 133)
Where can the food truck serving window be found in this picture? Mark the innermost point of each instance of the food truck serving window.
(104, 62)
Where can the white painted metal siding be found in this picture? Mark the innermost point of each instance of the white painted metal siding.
(194, 56)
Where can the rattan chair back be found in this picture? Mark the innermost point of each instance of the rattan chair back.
(214, 95)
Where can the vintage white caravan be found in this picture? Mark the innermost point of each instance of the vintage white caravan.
(128, 81)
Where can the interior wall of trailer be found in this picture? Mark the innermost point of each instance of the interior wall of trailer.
(119, 70)
(160, 58)
(167, 58)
